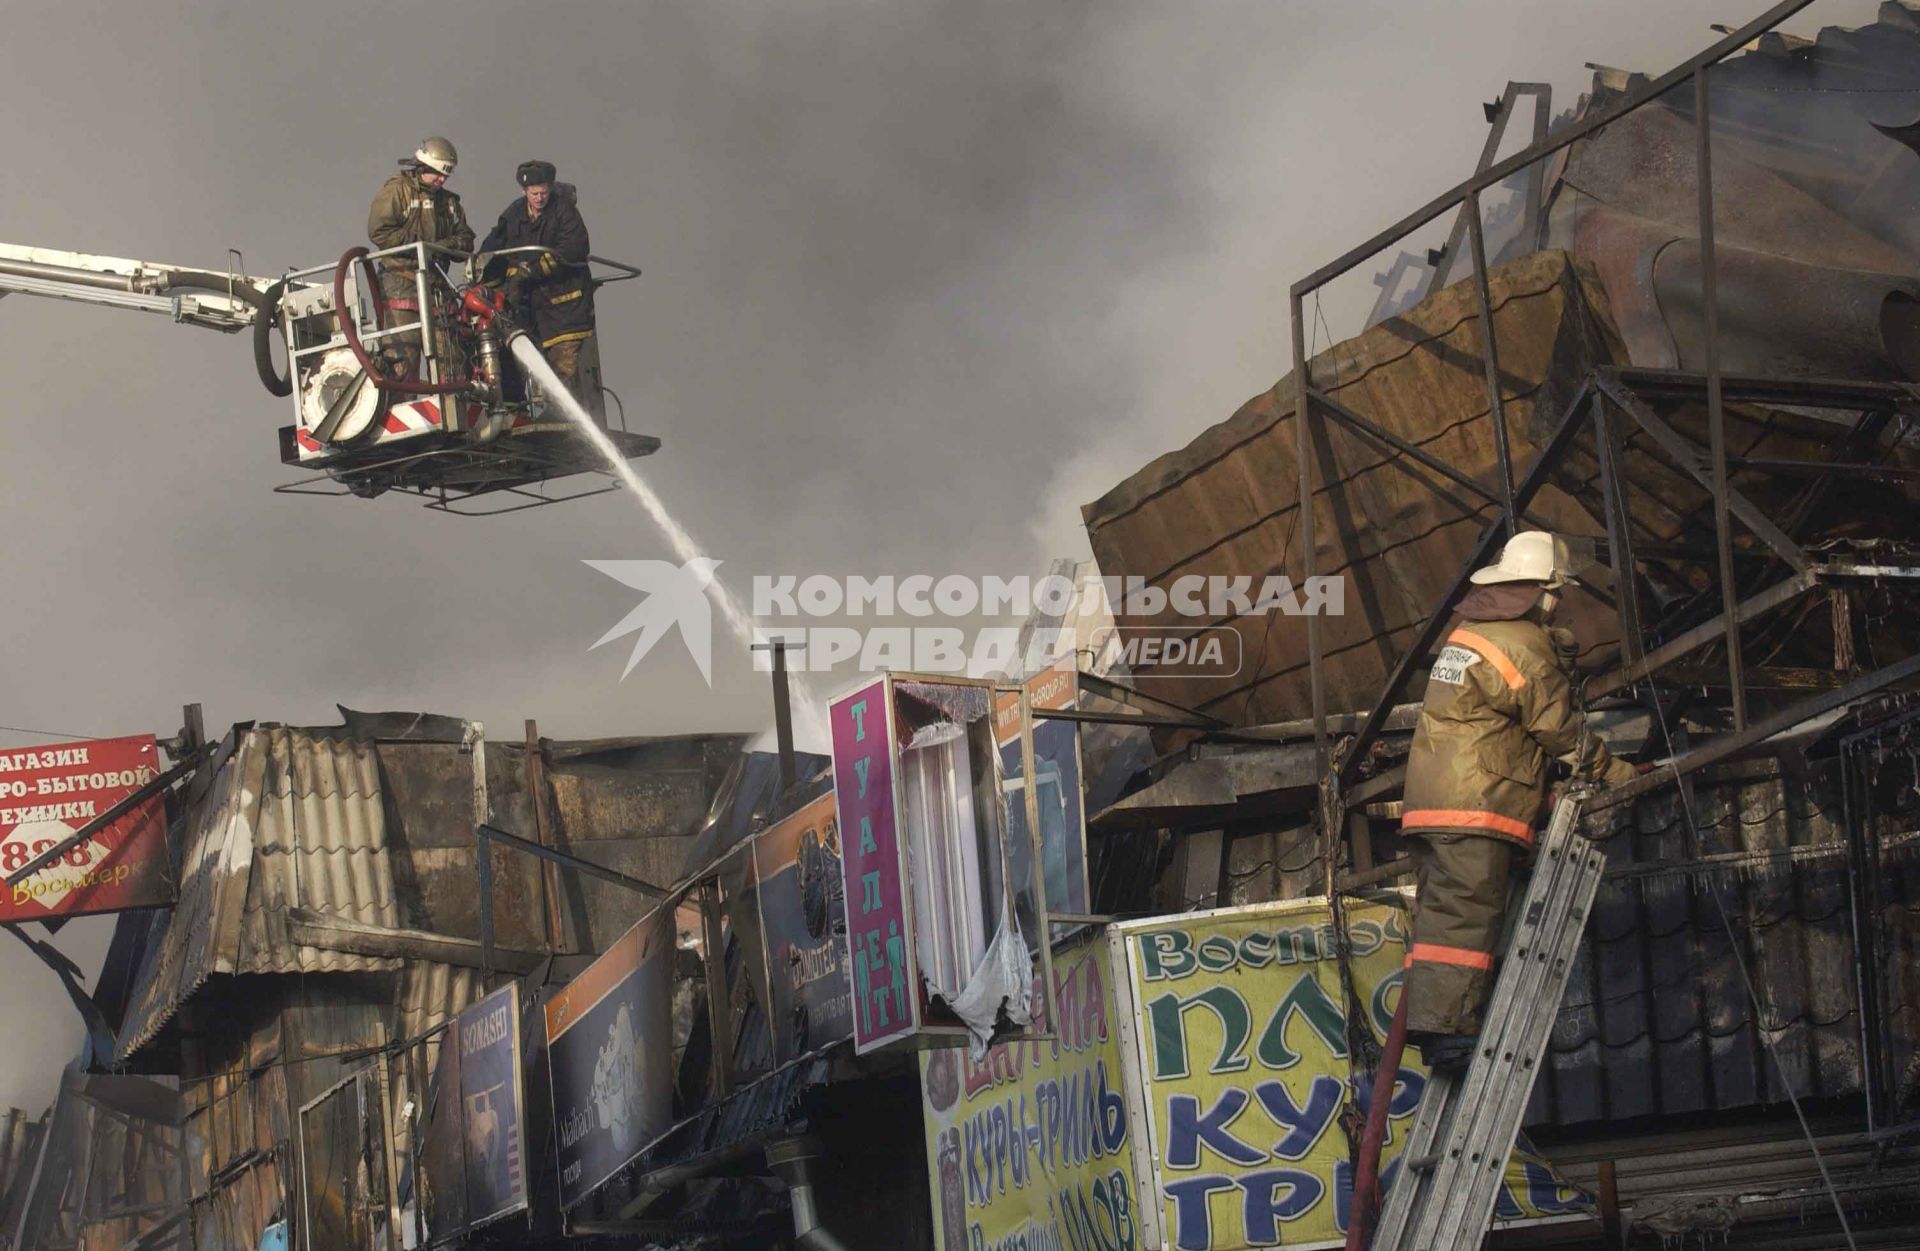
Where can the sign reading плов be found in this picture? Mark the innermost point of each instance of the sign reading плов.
(1027, 1149)
(47, 794)
(1240, 1068)
(610, 1056)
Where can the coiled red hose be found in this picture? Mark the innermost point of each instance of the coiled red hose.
(404, 386)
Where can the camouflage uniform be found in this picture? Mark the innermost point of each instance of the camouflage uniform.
(407, 210)
(1499, 709)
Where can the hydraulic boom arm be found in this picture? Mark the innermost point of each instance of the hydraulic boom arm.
(199, 297)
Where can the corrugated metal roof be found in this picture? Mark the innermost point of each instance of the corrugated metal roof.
(321, 845)
(306, 810)
(217, 855)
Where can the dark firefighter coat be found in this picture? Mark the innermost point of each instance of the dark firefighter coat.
(558, 295)
(1498, 710)
(406, 210)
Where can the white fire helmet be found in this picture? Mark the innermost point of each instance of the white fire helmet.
(437, 154)
(1529, 556)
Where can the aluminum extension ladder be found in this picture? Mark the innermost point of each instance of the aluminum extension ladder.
(1456, 1154)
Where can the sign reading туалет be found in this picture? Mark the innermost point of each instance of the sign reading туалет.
(47, 794)
(886, 998)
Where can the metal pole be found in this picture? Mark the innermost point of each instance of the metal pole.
(483, 848)
(783, 715)
(1716, 412)
(549, 872)
(782, 708)
(1626, 600)
(1496, 408)
(1863, 914)
(1303, 449)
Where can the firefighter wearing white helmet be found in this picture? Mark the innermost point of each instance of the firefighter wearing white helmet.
(414, 206)
(1499, 710)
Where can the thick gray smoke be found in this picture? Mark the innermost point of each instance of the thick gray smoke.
(921, 279)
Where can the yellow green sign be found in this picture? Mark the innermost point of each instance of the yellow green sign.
(1238, 1073)
(1027, 1148)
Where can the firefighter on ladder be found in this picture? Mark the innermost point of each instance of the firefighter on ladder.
(414, 206)
(1499, 710)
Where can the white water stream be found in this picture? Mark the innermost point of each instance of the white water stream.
(739, 622)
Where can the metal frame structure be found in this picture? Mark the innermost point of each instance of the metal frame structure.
(1465, 197)
(1615, 405)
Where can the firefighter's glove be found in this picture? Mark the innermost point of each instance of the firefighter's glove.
(1566, 648)
(544, 264)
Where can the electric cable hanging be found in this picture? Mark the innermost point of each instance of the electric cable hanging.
(1760, 1015)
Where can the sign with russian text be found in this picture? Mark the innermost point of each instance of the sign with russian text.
(1240, 1063)
(488, 1037)
(797, 887)
(610, 1057)
(886, 992)
(1027, 1149)
(47, 794)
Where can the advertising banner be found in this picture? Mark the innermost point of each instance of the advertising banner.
(1056, 758)
(47, 794)
(797, 885)
(1240, 1071)
(886, 995)
(1027, 1149)
(609, 1045)
(487, 1035)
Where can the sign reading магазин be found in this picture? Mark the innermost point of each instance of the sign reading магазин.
(886, 993)
(47, 794)
(610, 1057)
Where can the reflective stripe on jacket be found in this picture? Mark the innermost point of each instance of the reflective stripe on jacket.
(1498, 710)
(560, 302)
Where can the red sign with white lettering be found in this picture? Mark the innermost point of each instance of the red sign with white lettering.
(47, 794)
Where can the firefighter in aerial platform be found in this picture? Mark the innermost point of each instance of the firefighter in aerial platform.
(414, 206)
(550, 287)
(1499, 711)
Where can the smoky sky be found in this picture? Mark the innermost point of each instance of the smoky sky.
(921, 279)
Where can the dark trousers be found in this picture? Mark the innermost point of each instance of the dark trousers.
(1459, 914)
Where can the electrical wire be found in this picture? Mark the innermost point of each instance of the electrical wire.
(55, 734)
(1746, 979)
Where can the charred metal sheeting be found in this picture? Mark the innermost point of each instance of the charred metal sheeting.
(1656, 1020)
(20, 1140)
(292, 819)
(1206, 792)
(1398, 534)
(1227, 504)
(1748, 1187)
(1629, 202)
(741, 1121)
